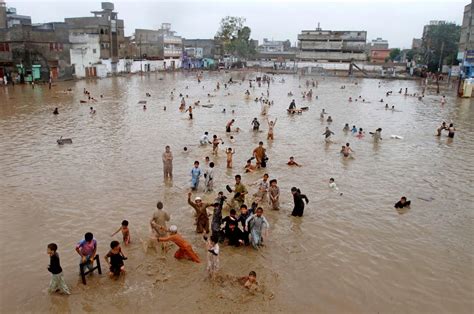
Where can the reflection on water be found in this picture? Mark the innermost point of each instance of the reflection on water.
(349, 253)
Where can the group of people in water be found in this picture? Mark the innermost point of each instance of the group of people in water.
(246, 224)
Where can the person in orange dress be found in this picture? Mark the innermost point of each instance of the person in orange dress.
(185, 249)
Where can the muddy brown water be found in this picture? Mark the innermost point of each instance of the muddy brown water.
(349, 254)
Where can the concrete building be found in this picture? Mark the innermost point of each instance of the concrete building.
(273, 46)
(208, 46)
(162, 44)
(15, 19)
(466, 41)
(36, 51)
(379, 43)
(427, 27)
(378, 50)
(85, 55)
(335, 46)
(106, 24)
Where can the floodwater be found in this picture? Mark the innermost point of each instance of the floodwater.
(349, 254)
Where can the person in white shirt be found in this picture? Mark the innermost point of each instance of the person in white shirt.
(205, 139)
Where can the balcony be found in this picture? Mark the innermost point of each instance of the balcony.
(172, 52)
(172, 40)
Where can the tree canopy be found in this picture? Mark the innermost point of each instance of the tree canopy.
(394, 53)
(441, 42)
(235, 37)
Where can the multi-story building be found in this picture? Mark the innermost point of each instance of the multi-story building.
(160, 44)
(378, 50)
(336, 46)
(466, 41)
(271, 46)
(208, 46)
(110, 29)
(32, 52)
(85, 54)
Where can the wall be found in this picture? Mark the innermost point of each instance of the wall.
(85, 52)
(330, 56)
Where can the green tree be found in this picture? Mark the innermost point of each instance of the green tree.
(235, 37)
(441, 43)
(394, 53)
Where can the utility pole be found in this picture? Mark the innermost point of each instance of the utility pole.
(141, 61)
(441, 57)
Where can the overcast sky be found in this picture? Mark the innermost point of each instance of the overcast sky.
(397, 21)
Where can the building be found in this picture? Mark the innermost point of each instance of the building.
(16, 19)
(110, 29)
(85, 55)
(466, 41)
(274, 46)
(427, 27)
(208, 46)
(378, 50)
(379, 43)
(35, 52)
(334, 46)
(161, 44)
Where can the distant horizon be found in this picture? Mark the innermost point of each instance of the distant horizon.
(193, 19)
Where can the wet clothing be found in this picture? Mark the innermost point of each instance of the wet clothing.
(292, 106)
(274, 192)
(241, 189)
(195, 174)
(227, 221)
(451, 132)
(208, 179)
(212, 258)
(328, 133)
(54, 264)
(202, 220)
(235, 236)
(57, 279)
(242, 219)
(299, 199)
(167, 164)
(256, 125)
(400, 205)
(185, 249)
(256, 225)
(160, 217)
(204, 140)
(87, 248)
(116, 261)
(217, 218)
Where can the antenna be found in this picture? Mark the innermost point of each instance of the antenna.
(318, 28)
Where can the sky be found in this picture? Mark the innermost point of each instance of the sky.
(396, 21)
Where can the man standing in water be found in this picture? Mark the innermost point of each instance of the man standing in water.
(259, 154)
(327, 133)
(168, 163)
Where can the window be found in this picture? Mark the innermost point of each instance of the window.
(51, 46)
(94, 50)
(101, 31)
(61, 47)
(7, 47)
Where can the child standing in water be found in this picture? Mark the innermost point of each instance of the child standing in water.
(115, 259)
(256, 224)
(57, 280)
(271, 125)
(274, 191)
(229, 153)
(299, 204)
(125, 232)
(190, 110)
(215, 144)
(195, 174)
(212, 247)
(209, 178)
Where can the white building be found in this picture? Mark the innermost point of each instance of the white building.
(85, 55)
(271, 46)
